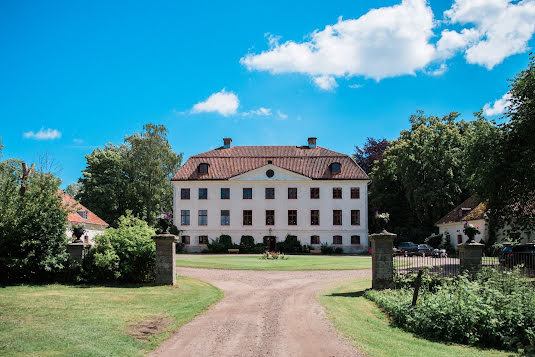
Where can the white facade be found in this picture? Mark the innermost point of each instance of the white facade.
(455, 230)
(258, 204)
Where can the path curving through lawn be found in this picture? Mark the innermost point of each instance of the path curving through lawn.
(263, 313)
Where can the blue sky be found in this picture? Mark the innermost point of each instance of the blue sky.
(77, 75)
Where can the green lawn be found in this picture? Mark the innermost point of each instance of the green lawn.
(370, 331)
(62, 320)
(294, 262)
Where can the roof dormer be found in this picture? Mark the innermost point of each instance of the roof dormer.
(335, 168)
(202, 169)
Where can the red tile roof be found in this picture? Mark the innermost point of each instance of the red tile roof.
(310, 162)
(477, 211)
(73, 217)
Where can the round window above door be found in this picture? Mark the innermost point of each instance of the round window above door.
(270, 173)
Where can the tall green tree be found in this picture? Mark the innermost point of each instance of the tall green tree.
(104, 185)
(421, 177)
(134, 176)
(505, 175)
(150, 165)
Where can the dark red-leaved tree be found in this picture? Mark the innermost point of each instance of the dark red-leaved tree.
(371, 151)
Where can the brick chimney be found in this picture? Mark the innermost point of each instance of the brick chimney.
(312, 143)
(227, 143)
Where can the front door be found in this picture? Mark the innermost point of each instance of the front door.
(271, 243)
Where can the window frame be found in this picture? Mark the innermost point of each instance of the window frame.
(338, 237)
(185, 240)
(355, 193)
(312, 239)
(292, 193)
(185, 213)
(337, 190)
(205, 215)
(355, 213)
(249, 217)
(227, 190)
(314, 213)
(338, 165)
(247, 193)
(227, 221)
(292, 217)
(203, 239)
(185, 194)
(337, 214)
(205, 196)
(270, 196)
(357, 238)
(271, 215)
(313, 191)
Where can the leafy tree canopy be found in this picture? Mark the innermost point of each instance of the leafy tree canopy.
(370, 153)
(134, 176)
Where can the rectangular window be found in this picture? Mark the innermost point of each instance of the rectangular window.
(247, 193)
(355, 217)
(292, 193)
(203, 217)
(185, 240)
(203, 193)
(184, 217)
(315, 217)
(355, 192)
(337, 192)
(459, 238)
(314, 193)
(292, 217)
(270, 217)
(225, 193)
(225, 217)
(337, 217)
(270, 193)
(203, 239)
(184, 193)
(247, 218)
(315, 240)
(355, 239)
(337, 240)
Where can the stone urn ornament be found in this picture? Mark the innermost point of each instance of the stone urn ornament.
(78, 231)
(470, 230)
(164, 222)
(382, 220)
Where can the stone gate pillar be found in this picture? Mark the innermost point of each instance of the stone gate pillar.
(382, 260)
(165, 259)
(470, 256)
(77, 251)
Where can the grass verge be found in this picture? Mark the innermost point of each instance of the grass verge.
(64, 320)
(294, 262)
(370, 331)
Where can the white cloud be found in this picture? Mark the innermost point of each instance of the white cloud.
(258, 112)
(224, 103)
(281, 115)
(501, 29)
(77, 141)
(325, 82)
(385, 42)
(498, 107)
(48, 134)
(355, 86)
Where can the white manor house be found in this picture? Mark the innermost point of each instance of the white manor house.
(316, 194)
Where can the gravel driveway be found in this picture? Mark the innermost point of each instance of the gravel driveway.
(263, 313)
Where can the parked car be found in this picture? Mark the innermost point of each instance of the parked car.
(424, 250)
(522, 254)
(407, 248)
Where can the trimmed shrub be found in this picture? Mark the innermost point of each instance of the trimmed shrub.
(495, 309)
(326, 249)
(221, 244)
(290, 245)
(338, 250)
(247, 244)
(126, 253)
